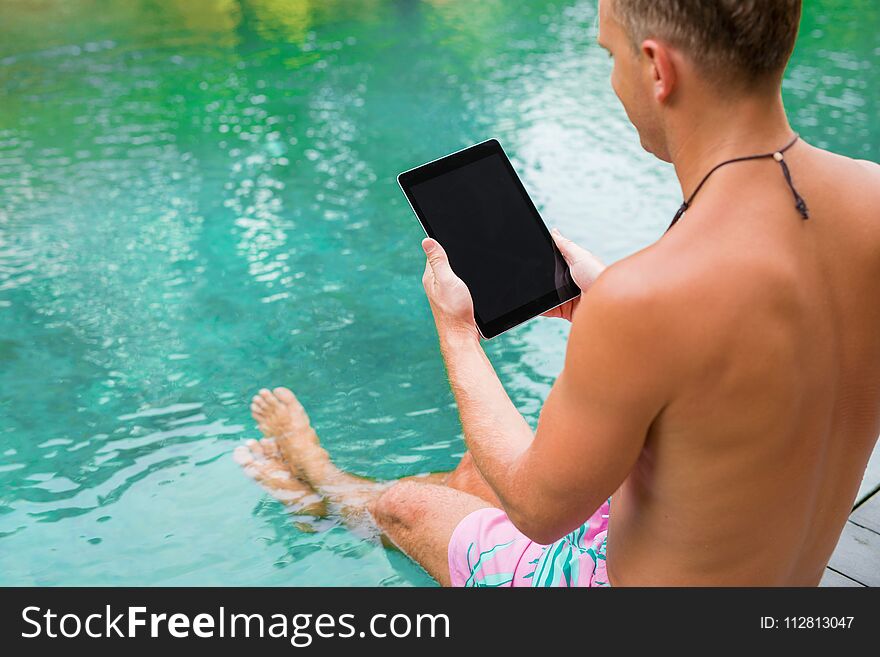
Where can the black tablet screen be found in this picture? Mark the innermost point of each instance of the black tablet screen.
(494, 237)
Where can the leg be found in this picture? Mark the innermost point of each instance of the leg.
(468, 479)
(465, 477)
(280, 414)
(262, 461)
(419, 519)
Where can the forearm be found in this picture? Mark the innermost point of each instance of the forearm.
(495, 432)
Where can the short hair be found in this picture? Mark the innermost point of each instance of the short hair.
(733, 41)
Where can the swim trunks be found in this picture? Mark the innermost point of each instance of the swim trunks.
(487, 550)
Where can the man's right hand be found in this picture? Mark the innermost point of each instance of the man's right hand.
(585, 268)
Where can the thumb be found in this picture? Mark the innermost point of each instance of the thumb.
(570, 251)
(437, 259)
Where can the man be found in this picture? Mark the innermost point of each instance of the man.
(721, 386)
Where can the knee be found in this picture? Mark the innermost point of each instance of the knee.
(398, 505)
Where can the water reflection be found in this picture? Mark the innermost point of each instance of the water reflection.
(198, 199)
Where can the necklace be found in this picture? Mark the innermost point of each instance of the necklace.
(799, 203)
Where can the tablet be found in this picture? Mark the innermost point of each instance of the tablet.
(475, 205)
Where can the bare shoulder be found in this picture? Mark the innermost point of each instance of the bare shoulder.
(637, 301)
(862, 176)
(871, 171)
(674, 303)
(873, 167)
(625, 329)
(868, 171)
(632, 283)
(843, 193)
(652, 278)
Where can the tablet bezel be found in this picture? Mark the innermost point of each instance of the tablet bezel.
(453, 161)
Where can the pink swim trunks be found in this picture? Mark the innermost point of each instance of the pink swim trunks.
(487, 550)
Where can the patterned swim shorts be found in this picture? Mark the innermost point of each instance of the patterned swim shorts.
(487, 550)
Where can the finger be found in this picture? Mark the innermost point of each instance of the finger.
(438, 260)
(570, 251)
(428, 275)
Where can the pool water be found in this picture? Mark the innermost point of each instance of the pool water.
(198, 199)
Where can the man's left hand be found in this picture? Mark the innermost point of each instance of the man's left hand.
(448, 295)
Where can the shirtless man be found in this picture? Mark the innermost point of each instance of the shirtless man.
(721, 386)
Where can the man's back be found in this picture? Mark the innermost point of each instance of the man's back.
(749, 473)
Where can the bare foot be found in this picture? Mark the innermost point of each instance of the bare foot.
(279, 414)
(262, 460)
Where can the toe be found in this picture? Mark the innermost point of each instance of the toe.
(283, 393)
(293, 406)
(242, 456)
(276, 472)
(270, 449)
(286, 397)
(256, 449)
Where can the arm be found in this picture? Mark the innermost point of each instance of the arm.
(494, 430)
(593, 424)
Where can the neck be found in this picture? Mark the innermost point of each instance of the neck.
(700, 140)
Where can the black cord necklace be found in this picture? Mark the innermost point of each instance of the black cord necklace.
(799, 203)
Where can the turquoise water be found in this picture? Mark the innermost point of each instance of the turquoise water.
(197, 199)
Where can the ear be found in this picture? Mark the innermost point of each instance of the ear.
(661, 68)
